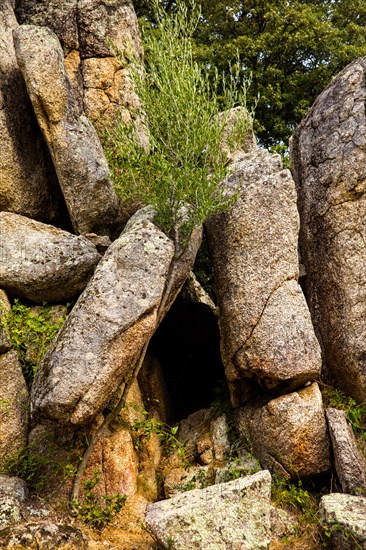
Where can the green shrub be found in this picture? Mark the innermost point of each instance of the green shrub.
(179, 172)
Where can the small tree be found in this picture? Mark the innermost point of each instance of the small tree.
(179, 172)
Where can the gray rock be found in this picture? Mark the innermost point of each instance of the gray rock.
(75, 148)
(345, 517)
(350, 464)
(42, 263)
(267, 338)
(5, 343)
(14, 486)
(86, 30)
(13, 492)
(27, 182)
(103, 336)
(289, 434)
(13, 406)
(229, 515)
(329, 160)
(43, 536)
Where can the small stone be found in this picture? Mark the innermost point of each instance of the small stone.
(344, 516)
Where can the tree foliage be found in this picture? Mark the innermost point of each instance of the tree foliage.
(292, 47)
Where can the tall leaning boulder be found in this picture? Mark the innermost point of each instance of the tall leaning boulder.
(89, 32)
(28, 184)
(329, 160)
(104, 334)
(267, 339)
(75, 148)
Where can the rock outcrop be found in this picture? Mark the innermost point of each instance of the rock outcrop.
(234, 514)
(42, 263)
(89, 32)
(28, 184)
(350, 465)
(13, 406)
(108, 327)
(329, 161)
(5, 344)
(345, 517)
(267, 338)
(78, 157)
(289, 434)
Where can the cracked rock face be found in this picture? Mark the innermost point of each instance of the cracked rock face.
(87, 29)
(267, 338)
(329, 160)
(28, 184)
(78, 157)
(228, 515)
(107, 328)
(345, 517)
(289, 434)
(42, 263)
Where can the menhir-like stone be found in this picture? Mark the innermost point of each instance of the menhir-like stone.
(350, 465)
(289, 434)
(98, 345)
(345, 517)
(13, 406)
(42, 263)
(28, 184)
(90, 31)
(229, 515)
(267, 338)
(75, 148)
(329, 160)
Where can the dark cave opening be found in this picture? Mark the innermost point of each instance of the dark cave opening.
(187, 346)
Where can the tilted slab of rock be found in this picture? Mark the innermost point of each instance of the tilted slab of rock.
(107, 328)
(87, 29)
(266, 330)
(329, 159)
(13, 406)
(289, 434)
(229, 515)
(345, 517)
(28, 184)
(350, 465)
(43, 263)
(75, 148)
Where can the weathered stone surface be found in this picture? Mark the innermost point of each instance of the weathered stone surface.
(267, 338)
(43, 536)
(5, 344)
(75, 148)
(86, 30)
(180, 480)
(329, 161)
(41, 262)
(236, 143)
(289, 434)
(27, 182)
(345, 516)
(350, 465)
(13, 406)
(107, 328)
(234, 514)
(13, 492)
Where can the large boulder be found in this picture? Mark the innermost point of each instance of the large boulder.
(103, 336)
(75, 148)
(28, 184)
(89, 32)
(42, 263)
(267, 339)
(350, 464)
(289, 434)
(344, 519)
(236, 514)
(329, 161)
(13, 407)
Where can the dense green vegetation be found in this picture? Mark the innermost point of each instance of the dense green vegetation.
(292, 47)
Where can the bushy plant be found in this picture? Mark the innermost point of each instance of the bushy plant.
(179, 171)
